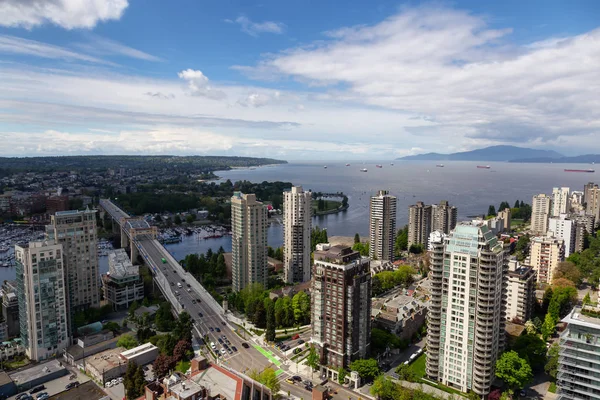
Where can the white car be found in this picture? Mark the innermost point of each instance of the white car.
(120, 379)
(223, 351)
(114, 382)
(108, 384)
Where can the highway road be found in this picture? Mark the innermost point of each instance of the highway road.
(205, 316)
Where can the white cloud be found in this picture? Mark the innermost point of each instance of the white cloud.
(198, 85)
(447, 66)
(15, 45)
(255, 28)
(69, 14)
(102, 46)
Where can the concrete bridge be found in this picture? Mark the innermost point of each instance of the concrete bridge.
(141, 237)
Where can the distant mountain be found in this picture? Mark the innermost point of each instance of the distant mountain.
(492, 153)
(583, 159)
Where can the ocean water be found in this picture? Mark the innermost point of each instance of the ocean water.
(464, 185)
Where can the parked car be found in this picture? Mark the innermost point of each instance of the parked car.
(300, 341)
(211, 328)
(245, 345)
(296, 336)
(188, 285)
(193, 301)
(200, 315)
(41, 394)
(37, 389)
(218, 329)
(223, 323)
(44, 396)
(22, 396)
(233, 348)
(223, 351)
(108, 384)
(72, 385)
(297, 378)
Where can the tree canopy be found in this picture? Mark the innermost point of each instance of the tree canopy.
(268, 378)
(567, 270)
(401, 243)
(386, 280)
(513, 370)
(532, 349)
(368, 369)
(127, 340)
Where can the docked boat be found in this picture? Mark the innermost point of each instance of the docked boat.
(580, 170)
(484, 166)
(363, 170)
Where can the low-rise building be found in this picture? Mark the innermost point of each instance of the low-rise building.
(90, 345)
(10, 308)
(106, 365)
(7, 386)
(12, 348)
(141, 355)
(403, 316)
(122, 284)
(38, 374)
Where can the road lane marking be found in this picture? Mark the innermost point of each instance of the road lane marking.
(267, 354)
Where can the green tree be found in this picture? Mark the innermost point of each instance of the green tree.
(268, 378)
(362, 248)
(586, 299)
(548, 327)
(312, 360)
(384, 388)
(568, 270)
(183, 327)
(513, 370)
(134, 306)
(504, 205)
(190, 218)
(164, 317)
(368, 369)
(491, 211)
(406, 373)
(342, 373)
(279, 253)
(401, 243)
(279, 312)
(270, 331)
(177, 220)
(532, 349)
(530, 328)
(301, 306)
(128, 341)
(551, 367)
(134, 381)
(416, 248)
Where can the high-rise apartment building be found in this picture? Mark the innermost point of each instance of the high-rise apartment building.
(563, 227)
(505, 216)
(540, 212)
(10, 308)
(444, 217)
(592, 202)
(545, 254)
(578, 364)
(42, 299)
(586, 190)
(419, 224)
(248, 241)
(297, 226)
(76, 232)
(341, 306)
(466, 319)
(561, 201)
(584, 225)
(520, 293)
(382, 226)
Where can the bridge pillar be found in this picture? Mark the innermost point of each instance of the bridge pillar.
(124, 239)
(115, 226)
(133, 253)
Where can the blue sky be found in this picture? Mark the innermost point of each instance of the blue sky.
(297, 79)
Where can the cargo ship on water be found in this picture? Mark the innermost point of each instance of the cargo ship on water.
(580, 170)
(484, 166)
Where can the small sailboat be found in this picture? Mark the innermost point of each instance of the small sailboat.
(325, 166)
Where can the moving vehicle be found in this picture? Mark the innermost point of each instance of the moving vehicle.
(297, 378)
(218, 329)
(296, 336)
(290, 381)
(164, 260)
(200, 314)
(245, 345)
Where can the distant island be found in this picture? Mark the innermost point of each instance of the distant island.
(195, 164)
(492, 153)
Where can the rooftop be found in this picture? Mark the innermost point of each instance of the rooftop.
(73, 212)
(577, 318)
(107, 359)
(88, 391)
(36, 372)
(4, 378)
(119, 265)
(185, 388)
(138, 350)
(520, 272)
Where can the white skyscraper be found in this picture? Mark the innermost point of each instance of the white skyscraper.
(564, 228)
(382, 221)
(561, 202)
(248, 241)
(297, 223)
(42, 300)
(540, 212)
(467, 315)
(76, 231)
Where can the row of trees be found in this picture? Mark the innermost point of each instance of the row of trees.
(275, 253)
(520, 210)
(287, 311)
(588, 262)
(208, 268)
(386, 280)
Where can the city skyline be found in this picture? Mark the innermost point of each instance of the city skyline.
(272, 79)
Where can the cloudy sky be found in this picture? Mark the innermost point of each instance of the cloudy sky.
(297, 79)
